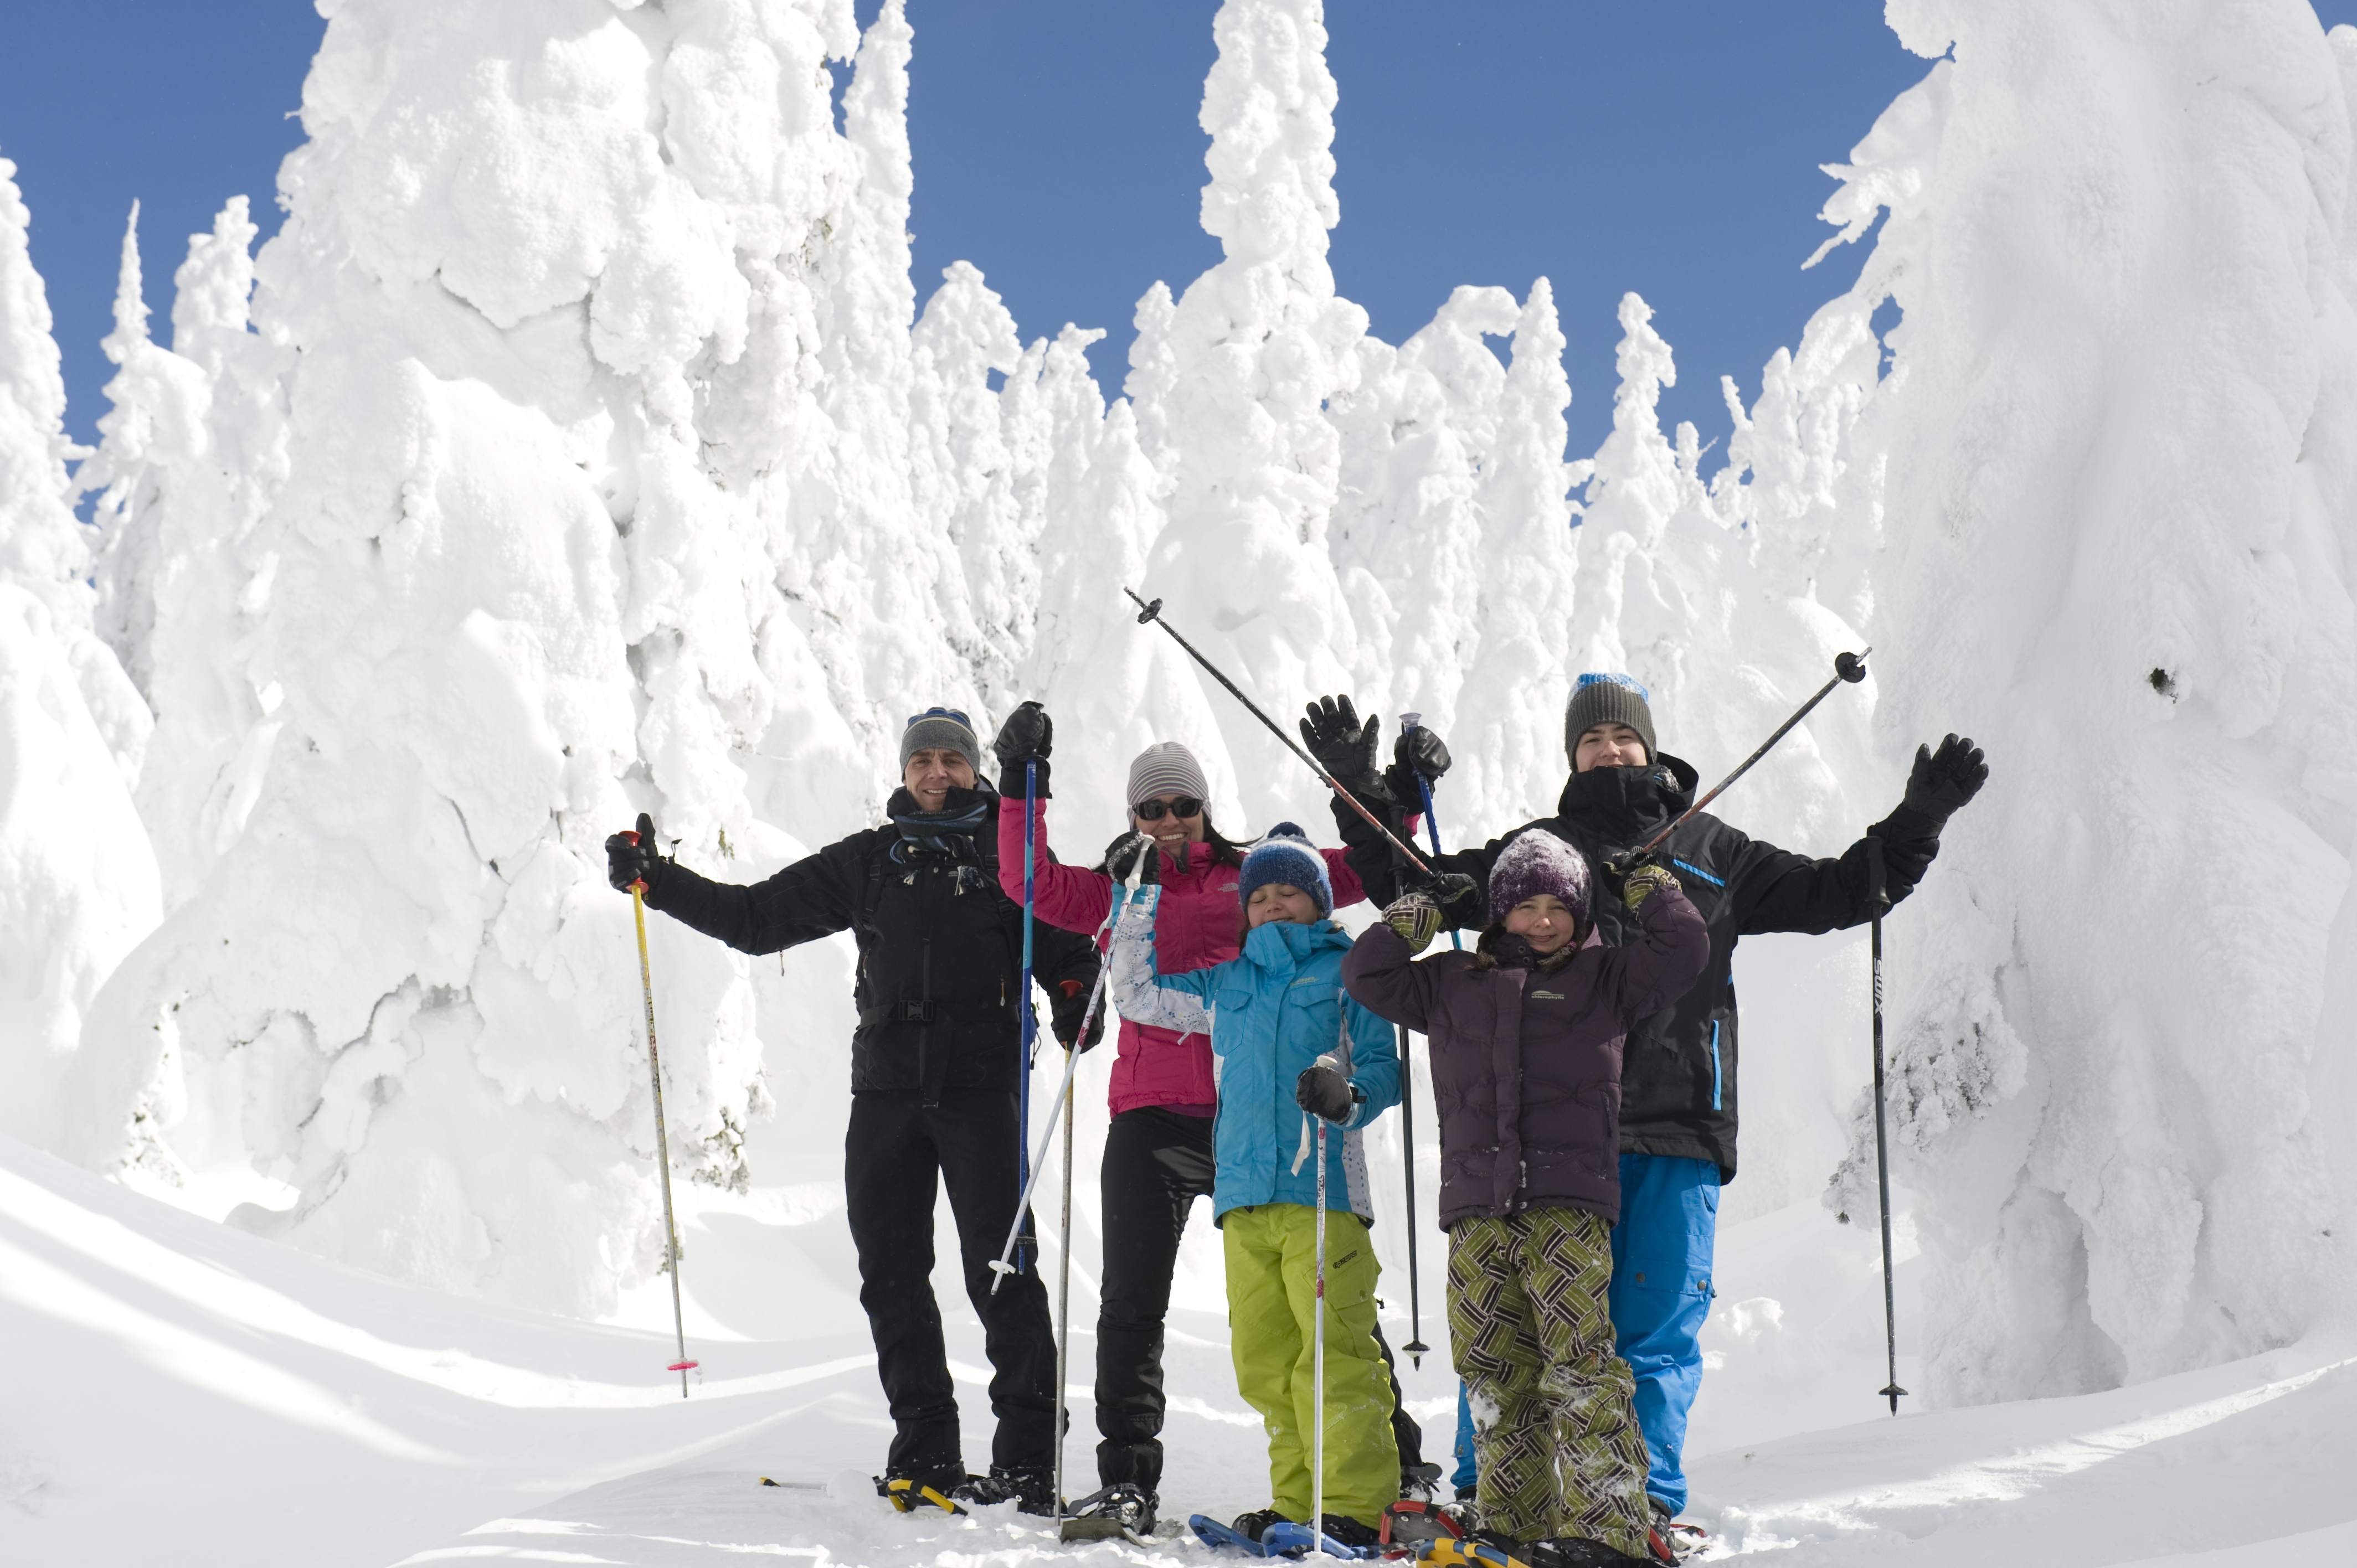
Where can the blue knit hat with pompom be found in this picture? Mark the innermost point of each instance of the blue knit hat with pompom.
(1286, 855)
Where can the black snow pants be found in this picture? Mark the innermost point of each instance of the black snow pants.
(893, 1154)
(1156, 1163)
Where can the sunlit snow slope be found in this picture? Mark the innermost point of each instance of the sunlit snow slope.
(179, 1392)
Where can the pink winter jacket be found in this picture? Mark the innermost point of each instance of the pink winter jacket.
(1194, 927)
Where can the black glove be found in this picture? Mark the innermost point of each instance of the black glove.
(1122, 857)
(1064, 1015)
(1943, 781)
(1612, 872)
(1418, 754)
(1323, 1091)
(1028, 735)
(1458, 897)
(632, 857)
(1343, 747)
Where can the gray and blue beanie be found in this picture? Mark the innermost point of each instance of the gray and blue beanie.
(945, 729)
(1608, 699)
(1286, 855)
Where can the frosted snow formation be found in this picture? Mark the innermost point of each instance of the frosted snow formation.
(581, 447)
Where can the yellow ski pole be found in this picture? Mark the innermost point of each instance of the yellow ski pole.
(646, 833)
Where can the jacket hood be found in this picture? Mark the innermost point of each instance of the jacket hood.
(1622, 805)
(1285, 944)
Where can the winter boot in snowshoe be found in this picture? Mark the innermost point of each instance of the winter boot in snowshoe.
(1254, 1525)
(1675, 1540)
(911, 1491)
(1030, 1488)
(1120, 1512)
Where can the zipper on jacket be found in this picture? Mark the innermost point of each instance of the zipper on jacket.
(1714, 1065)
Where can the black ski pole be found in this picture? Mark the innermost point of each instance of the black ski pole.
(1850, 667)
(1878, 897)
(1153, 613)
(1416, 1347)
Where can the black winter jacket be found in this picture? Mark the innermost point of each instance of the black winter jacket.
(941, 947)
(1677, 1076)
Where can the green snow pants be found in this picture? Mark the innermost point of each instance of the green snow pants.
(1555, 1417)
(1270, 1252)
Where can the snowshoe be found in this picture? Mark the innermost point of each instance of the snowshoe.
(1224, 1538)
(913, 1494)
(1453, 1552)
(1120, 1512)
(1411, 1520)
(1341, 1536)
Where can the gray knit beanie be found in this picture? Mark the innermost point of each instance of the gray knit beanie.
(1166, 767)
(941, 727)
(1608, 700)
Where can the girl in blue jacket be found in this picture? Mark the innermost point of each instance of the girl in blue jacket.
(1287, 1044)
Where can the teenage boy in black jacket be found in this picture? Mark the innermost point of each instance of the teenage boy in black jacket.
(1677, 1075)
(935, 1066)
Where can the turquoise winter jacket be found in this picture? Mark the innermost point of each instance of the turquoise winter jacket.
(1271, 1012)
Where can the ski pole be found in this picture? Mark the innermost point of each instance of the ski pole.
(662, 1145)
(1849, 667)
(1879, 898)
(1002, 1268)
(1153, 613)
(1064, 1283)
(1030, 1021)
(1317, 1356)
(1416, 1347)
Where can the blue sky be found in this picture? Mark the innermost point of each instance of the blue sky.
(1669, 147)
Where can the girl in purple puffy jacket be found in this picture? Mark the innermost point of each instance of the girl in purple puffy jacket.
(1526, 1032)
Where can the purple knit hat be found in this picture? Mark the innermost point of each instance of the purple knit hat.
(1537, 862)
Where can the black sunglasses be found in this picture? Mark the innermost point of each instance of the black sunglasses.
(1151, 811)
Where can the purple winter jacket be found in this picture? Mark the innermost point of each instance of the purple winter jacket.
(1526, 1065)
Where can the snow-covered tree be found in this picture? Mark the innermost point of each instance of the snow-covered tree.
(77, 877)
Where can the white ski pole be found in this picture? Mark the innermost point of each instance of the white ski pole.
(1318, 1361)
(1122, 892)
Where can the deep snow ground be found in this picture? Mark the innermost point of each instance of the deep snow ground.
(178, 1392)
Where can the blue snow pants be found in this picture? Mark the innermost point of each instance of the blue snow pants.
(1467, 1474)
(1661, 1293)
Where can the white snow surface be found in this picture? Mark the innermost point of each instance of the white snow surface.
(581, 447)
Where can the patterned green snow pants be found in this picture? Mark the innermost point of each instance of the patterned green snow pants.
(1554, 1420)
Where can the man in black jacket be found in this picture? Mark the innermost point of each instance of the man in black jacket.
(1677, 1076)
(936, 1063)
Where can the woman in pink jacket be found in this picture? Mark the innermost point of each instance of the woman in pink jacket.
(1158, 1158)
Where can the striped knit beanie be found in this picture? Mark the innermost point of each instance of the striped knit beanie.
(1288, 856)
(1601, 699)
(944, 728)
(1166, 767)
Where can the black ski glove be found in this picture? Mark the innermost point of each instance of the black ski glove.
(1418, 754)
(632, 857)
(1943, 781)
(1614, 871)
(1322, 1091)
(1064, 1015)
(1343, 747)
(1457, 896)
(1122, 858)
(1028, 735)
